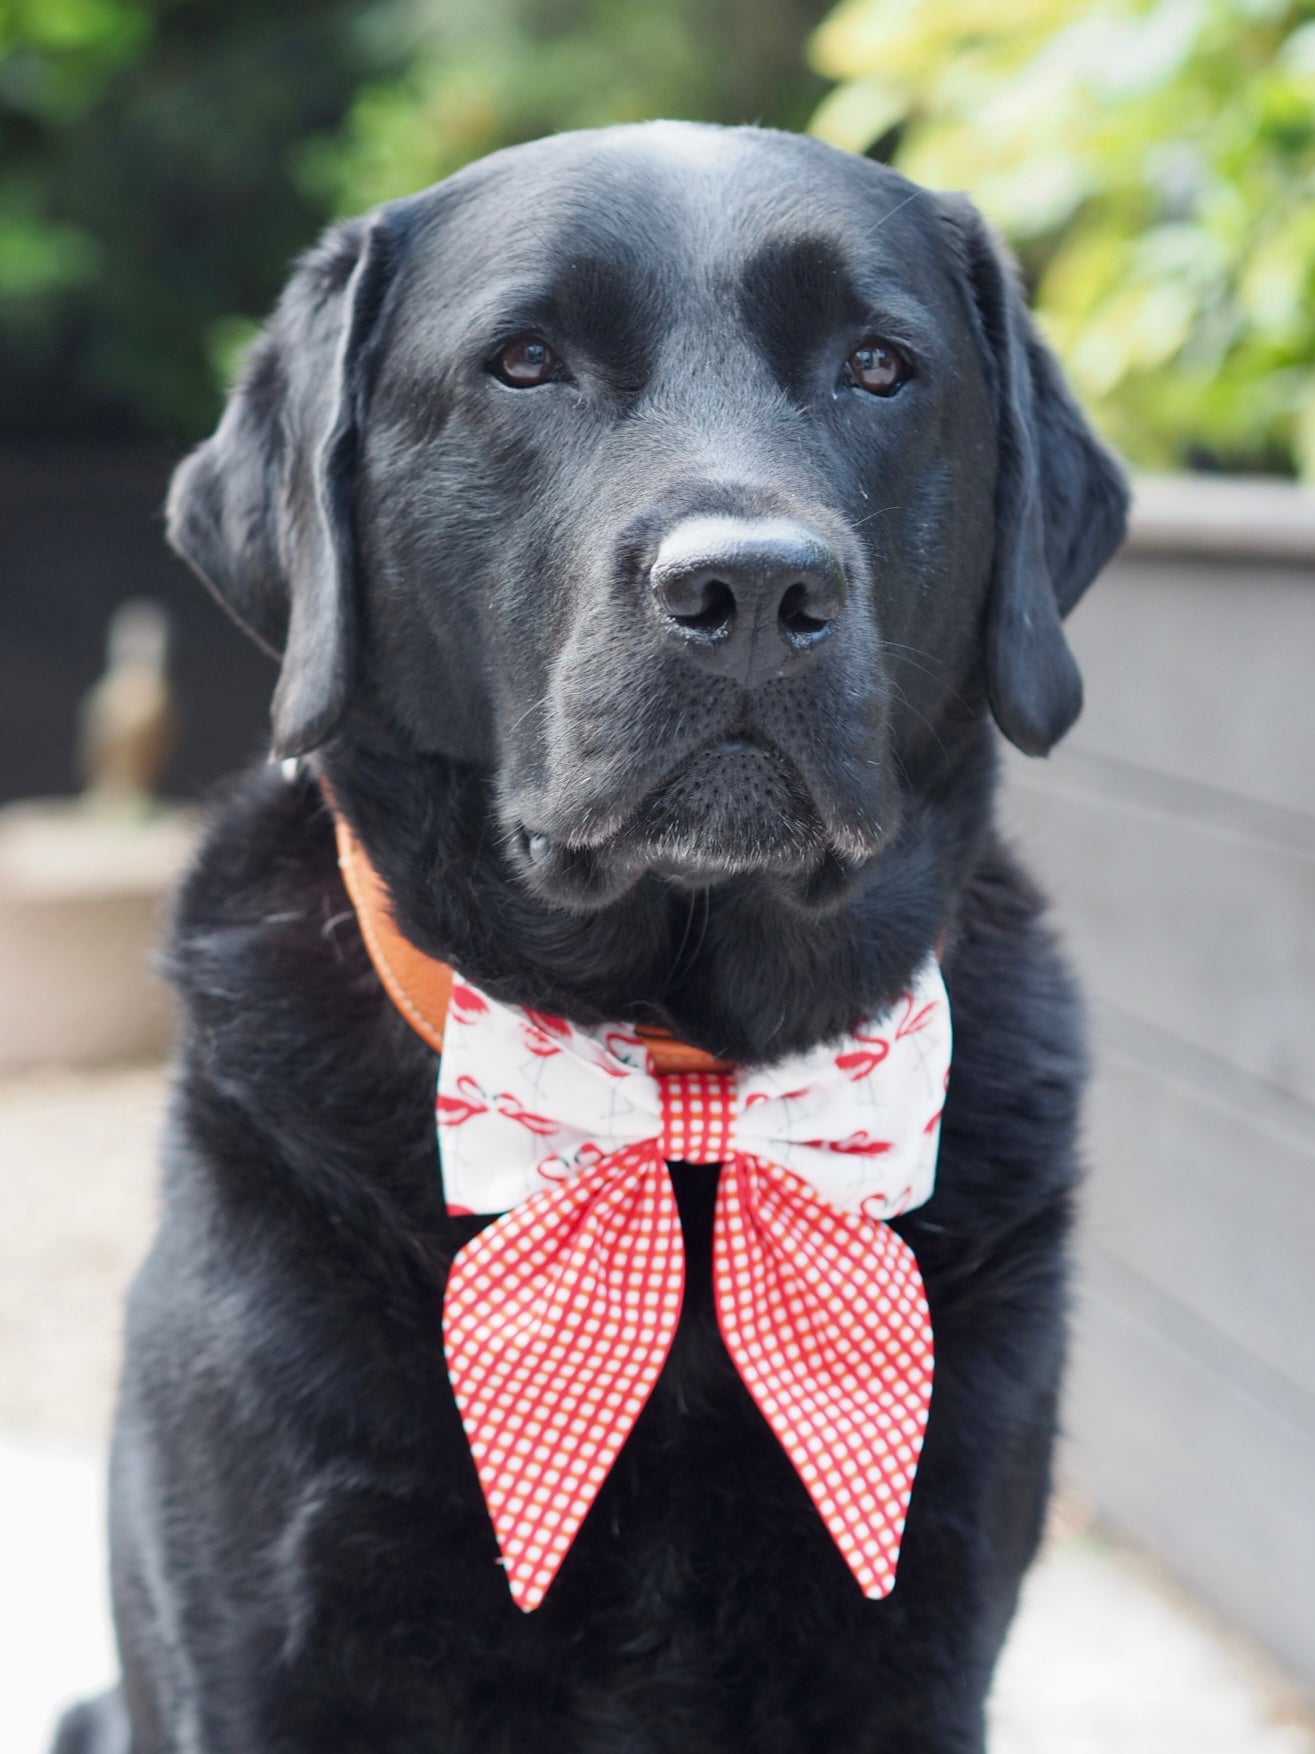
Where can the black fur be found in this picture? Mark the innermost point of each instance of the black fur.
(454, 572)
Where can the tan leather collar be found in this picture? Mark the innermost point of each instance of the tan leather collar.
(420, 985)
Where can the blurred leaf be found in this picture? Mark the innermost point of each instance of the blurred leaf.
(481, 74)
(1154, 163)
(1303, 440)
(162, 161)
(228, 341)
(859, 112)
(37, 258)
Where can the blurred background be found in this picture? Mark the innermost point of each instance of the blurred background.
(1153, 164)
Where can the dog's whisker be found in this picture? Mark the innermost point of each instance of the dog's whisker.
(899, 694)
(880, 512)
(898, 208)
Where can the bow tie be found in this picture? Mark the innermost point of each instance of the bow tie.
(559, 1316)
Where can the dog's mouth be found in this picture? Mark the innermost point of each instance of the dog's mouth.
(738, 806)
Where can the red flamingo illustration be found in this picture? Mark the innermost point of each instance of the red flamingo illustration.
(560, 1169)
(465, 1003)
(539, 1029)
(509, 1105)
(454, 1111)
(911, 1022)
(935, 1119)
(767, 1096)
(862, 1062)
(888, 1209)
(609, 1058)
(856, 1145)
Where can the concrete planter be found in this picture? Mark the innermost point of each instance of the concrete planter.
(81, 907)
(80, 896)
(1175, 830)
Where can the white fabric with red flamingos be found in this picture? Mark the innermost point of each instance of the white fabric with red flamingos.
(559, 1317)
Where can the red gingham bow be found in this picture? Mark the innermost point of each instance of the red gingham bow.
(559, 1316)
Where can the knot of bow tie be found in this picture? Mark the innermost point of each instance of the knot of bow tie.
(559, 1316)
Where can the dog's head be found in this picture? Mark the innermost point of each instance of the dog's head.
(700, 486)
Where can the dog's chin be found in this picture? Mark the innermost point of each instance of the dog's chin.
(736, 810)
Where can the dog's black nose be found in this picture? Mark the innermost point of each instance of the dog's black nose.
(748, 597)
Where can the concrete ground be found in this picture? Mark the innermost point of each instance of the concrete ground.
(1107, 1656)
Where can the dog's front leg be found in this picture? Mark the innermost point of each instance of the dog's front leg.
(911, 1674)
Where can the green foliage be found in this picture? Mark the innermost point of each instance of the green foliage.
(162, 160)
(1153, 161)
(147, 193)
(480, 74)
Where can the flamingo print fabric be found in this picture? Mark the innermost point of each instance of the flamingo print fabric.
(558, 1317)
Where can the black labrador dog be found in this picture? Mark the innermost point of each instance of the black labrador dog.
(455, 491)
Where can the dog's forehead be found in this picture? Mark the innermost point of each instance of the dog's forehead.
(671, 205)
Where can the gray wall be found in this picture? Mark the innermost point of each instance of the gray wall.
(1175, 831)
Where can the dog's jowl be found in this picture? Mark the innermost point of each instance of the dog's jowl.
(656, 529)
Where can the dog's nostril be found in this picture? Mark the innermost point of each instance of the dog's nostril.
(714, 612)
(746, 597)
(793, 614)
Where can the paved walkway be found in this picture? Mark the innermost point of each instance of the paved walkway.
(1105, 1658)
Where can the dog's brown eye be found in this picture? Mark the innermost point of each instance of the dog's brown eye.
(525, 362)
(878, 367)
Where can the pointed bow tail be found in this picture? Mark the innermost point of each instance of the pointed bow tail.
(556, 1325)
(824, 1315)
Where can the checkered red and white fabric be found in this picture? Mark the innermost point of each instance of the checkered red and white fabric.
(560, 1315)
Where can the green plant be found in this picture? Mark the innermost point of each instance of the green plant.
(162, 160)
(480, 74)
(147, 193)
(1153, 161)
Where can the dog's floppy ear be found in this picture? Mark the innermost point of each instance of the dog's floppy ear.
(1061, 502)
(263, 509)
